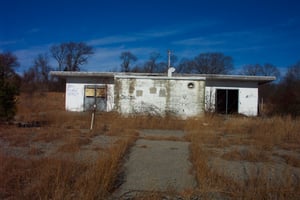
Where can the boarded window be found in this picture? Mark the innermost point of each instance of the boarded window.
(89, 92)
(101, 92)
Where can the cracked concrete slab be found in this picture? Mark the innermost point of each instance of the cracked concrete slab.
(158, 165)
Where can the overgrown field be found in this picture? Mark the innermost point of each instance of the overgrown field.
(233, 157)
(246, 158)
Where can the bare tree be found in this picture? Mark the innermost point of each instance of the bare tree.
(207, 63)
(287, 97)
(292, 76)
(71, 56)
(185, 66)
(37, 76)
(252, 70)
(151, 65)
(260, 70)
(154, 65)
(270, 70)
(42, 68)
(127, 59)
(59, 53)
(213, 63)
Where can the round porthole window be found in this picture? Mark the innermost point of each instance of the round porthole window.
(191, 85)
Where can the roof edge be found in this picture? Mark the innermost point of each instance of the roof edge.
(221, 77)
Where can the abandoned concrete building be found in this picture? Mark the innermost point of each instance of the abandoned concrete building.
(186, 95)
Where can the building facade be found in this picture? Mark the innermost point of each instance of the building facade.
(161, 94)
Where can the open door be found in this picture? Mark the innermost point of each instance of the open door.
(95, 97)
(227, 101)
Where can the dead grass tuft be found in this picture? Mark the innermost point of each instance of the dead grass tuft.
(61, 177)
(266, 132)
(73, 144)
(34, 151)
(169, 138)
(257, 136)
(246, 155)
(291, 160)
(51, 178)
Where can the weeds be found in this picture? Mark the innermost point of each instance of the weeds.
(255, 138)
(51, 178)
(54, 178)
(59, 177)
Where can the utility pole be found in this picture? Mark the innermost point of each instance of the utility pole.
(169, 58)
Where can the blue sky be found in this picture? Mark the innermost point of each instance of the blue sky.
(249, 31)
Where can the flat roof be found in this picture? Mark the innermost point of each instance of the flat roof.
(65, 74)
(215, 77)
(161, 77)
(259, 79)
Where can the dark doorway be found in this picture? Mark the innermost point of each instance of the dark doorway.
(227, 101)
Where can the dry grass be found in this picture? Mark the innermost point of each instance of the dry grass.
(57, 178)
(246, 155)
(291, 160)
(66, 177)
(51, 178)
(34, 151)
(259, 136)
(212, 184)
(73, 144)
(170, 138)
(54, 178)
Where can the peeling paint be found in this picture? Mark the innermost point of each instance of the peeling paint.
(152, 90)
(184, 97)
(162, 92)
(139, 93)
(174, 97)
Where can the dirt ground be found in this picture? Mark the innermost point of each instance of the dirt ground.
(240, 168)
(79, 148)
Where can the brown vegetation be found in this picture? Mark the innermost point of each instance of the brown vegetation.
(57, 177)
(245, 140)
(258, 143)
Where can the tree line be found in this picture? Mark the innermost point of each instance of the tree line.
(282, 96)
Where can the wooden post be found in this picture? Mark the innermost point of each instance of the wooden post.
(93, 117)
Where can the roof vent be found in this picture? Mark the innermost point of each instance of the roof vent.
(170, 71)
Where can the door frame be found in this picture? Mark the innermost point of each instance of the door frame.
(96, 96)
(228, 98)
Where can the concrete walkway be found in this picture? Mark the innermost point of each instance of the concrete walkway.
(157, 165)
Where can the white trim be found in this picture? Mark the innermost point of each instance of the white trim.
(160, 77)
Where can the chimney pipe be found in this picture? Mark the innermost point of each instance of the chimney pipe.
(170, 71)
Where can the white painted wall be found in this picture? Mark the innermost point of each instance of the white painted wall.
(75, 94)
(248, 95)
(159, 96)
(74, 97)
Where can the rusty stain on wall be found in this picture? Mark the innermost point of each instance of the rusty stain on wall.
(132, 85)
(162, 92)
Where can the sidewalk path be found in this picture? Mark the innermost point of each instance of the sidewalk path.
(157, 165)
